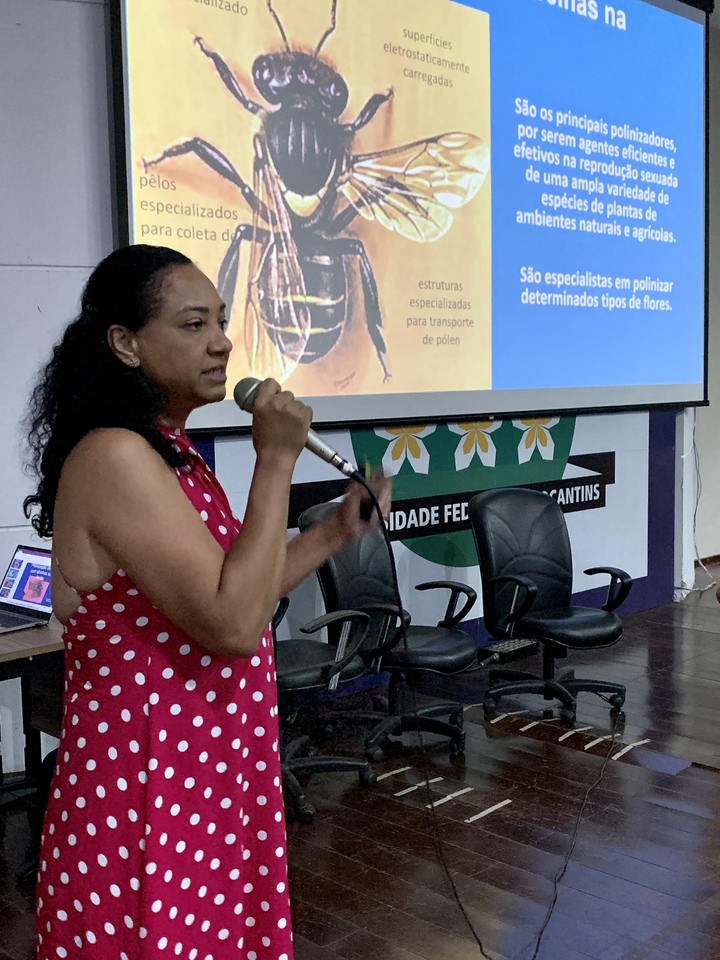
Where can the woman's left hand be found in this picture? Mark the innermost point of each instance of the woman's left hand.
(348, 520)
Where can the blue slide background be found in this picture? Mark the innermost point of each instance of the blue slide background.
(650, 76)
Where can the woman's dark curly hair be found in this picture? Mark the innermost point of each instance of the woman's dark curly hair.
(85, 386)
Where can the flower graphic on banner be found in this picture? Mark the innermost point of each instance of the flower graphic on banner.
(536, 436)
(475, 439)
(406, 443)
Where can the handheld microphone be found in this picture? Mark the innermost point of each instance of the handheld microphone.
(244, 394)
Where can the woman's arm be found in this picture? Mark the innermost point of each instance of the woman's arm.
(134, 509)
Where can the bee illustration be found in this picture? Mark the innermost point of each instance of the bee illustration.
(307, 189)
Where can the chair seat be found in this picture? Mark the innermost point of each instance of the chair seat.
(300, 664)
(572, 627)
(439, 649)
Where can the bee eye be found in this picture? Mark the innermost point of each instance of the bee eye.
(262, 69)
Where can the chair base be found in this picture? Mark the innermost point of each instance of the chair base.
(307, 766)
(614, 691)
(301, 759)
(549, 689)
(561, 685)
(384, 725)
(424, 720)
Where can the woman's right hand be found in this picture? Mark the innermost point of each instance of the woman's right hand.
(280, 423)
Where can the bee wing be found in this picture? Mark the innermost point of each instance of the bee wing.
(413, 189)
(276, 296)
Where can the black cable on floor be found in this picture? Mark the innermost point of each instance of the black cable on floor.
(423, 753)
(563, 869)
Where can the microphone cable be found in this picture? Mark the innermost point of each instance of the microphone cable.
(568, 856)
(439, 846)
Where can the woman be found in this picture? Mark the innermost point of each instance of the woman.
(164, 833)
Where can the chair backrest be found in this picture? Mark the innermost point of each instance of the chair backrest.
(520, 532)
(358, 574)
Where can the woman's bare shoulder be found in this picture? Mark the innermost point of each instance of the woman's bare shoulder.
(109, 462)
(112, 444)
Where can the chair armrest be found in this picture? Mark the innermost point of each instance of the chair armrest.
(527, 598)
(338, 616)
(280, 610)
(451, 618)
(619, 587)
(345, 650)
(389, 638)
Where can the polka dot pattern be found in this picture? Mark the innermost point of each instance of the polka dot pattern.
(165, 832)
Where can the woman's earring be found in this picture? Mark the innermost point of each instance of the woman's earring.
(134, 362)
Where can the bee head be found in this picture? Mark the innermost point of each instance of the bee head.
(282, 77)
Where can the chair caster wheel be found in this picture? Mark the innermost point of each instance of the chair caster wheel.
(617, 701)
(457, 745)
(568, 717)
(380, 704)
(304, 811)
(368, 778)
(457, 720)
(489, 706)
(374, 754)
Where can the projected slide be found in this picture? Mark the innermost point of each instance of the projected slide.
(421, 207)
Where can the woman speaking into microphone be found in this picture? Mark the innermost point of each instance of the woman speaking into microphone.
(165, 827)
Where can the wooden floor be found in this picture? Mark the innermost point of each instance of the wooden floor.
(644, 879)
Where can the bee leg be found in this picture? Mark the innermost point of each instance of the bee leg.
(214, 159)
(228, 77)
(351, 247)
(368, 111)
(228, 272)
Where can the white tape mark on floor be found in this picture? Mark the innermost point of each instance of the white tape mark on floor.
(498, 718)
(391, 773)
(417, 786)
(510, 713)
(595, 742)
(571, 732)
(450, 796)
(629, 747)
(536, 723)
(484, 813)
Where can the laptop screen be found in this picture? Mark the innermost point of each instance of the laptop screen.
(27, 581)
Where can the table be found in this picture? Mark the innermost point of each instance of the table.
(28, 655)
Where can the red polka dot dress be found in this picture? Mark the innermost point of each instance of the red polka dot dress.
(165, 833)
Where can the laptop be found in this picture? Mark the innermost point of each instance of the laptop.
(25, 590)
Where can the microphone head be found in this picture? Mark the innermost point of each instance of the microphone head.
(244, 393)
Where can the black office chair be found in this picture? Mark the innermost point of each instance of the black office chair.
(306, 668)
(359, 577)
(526, 568)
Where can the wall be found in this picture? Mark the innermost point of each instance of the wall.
(708, 431)
(55, 211)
